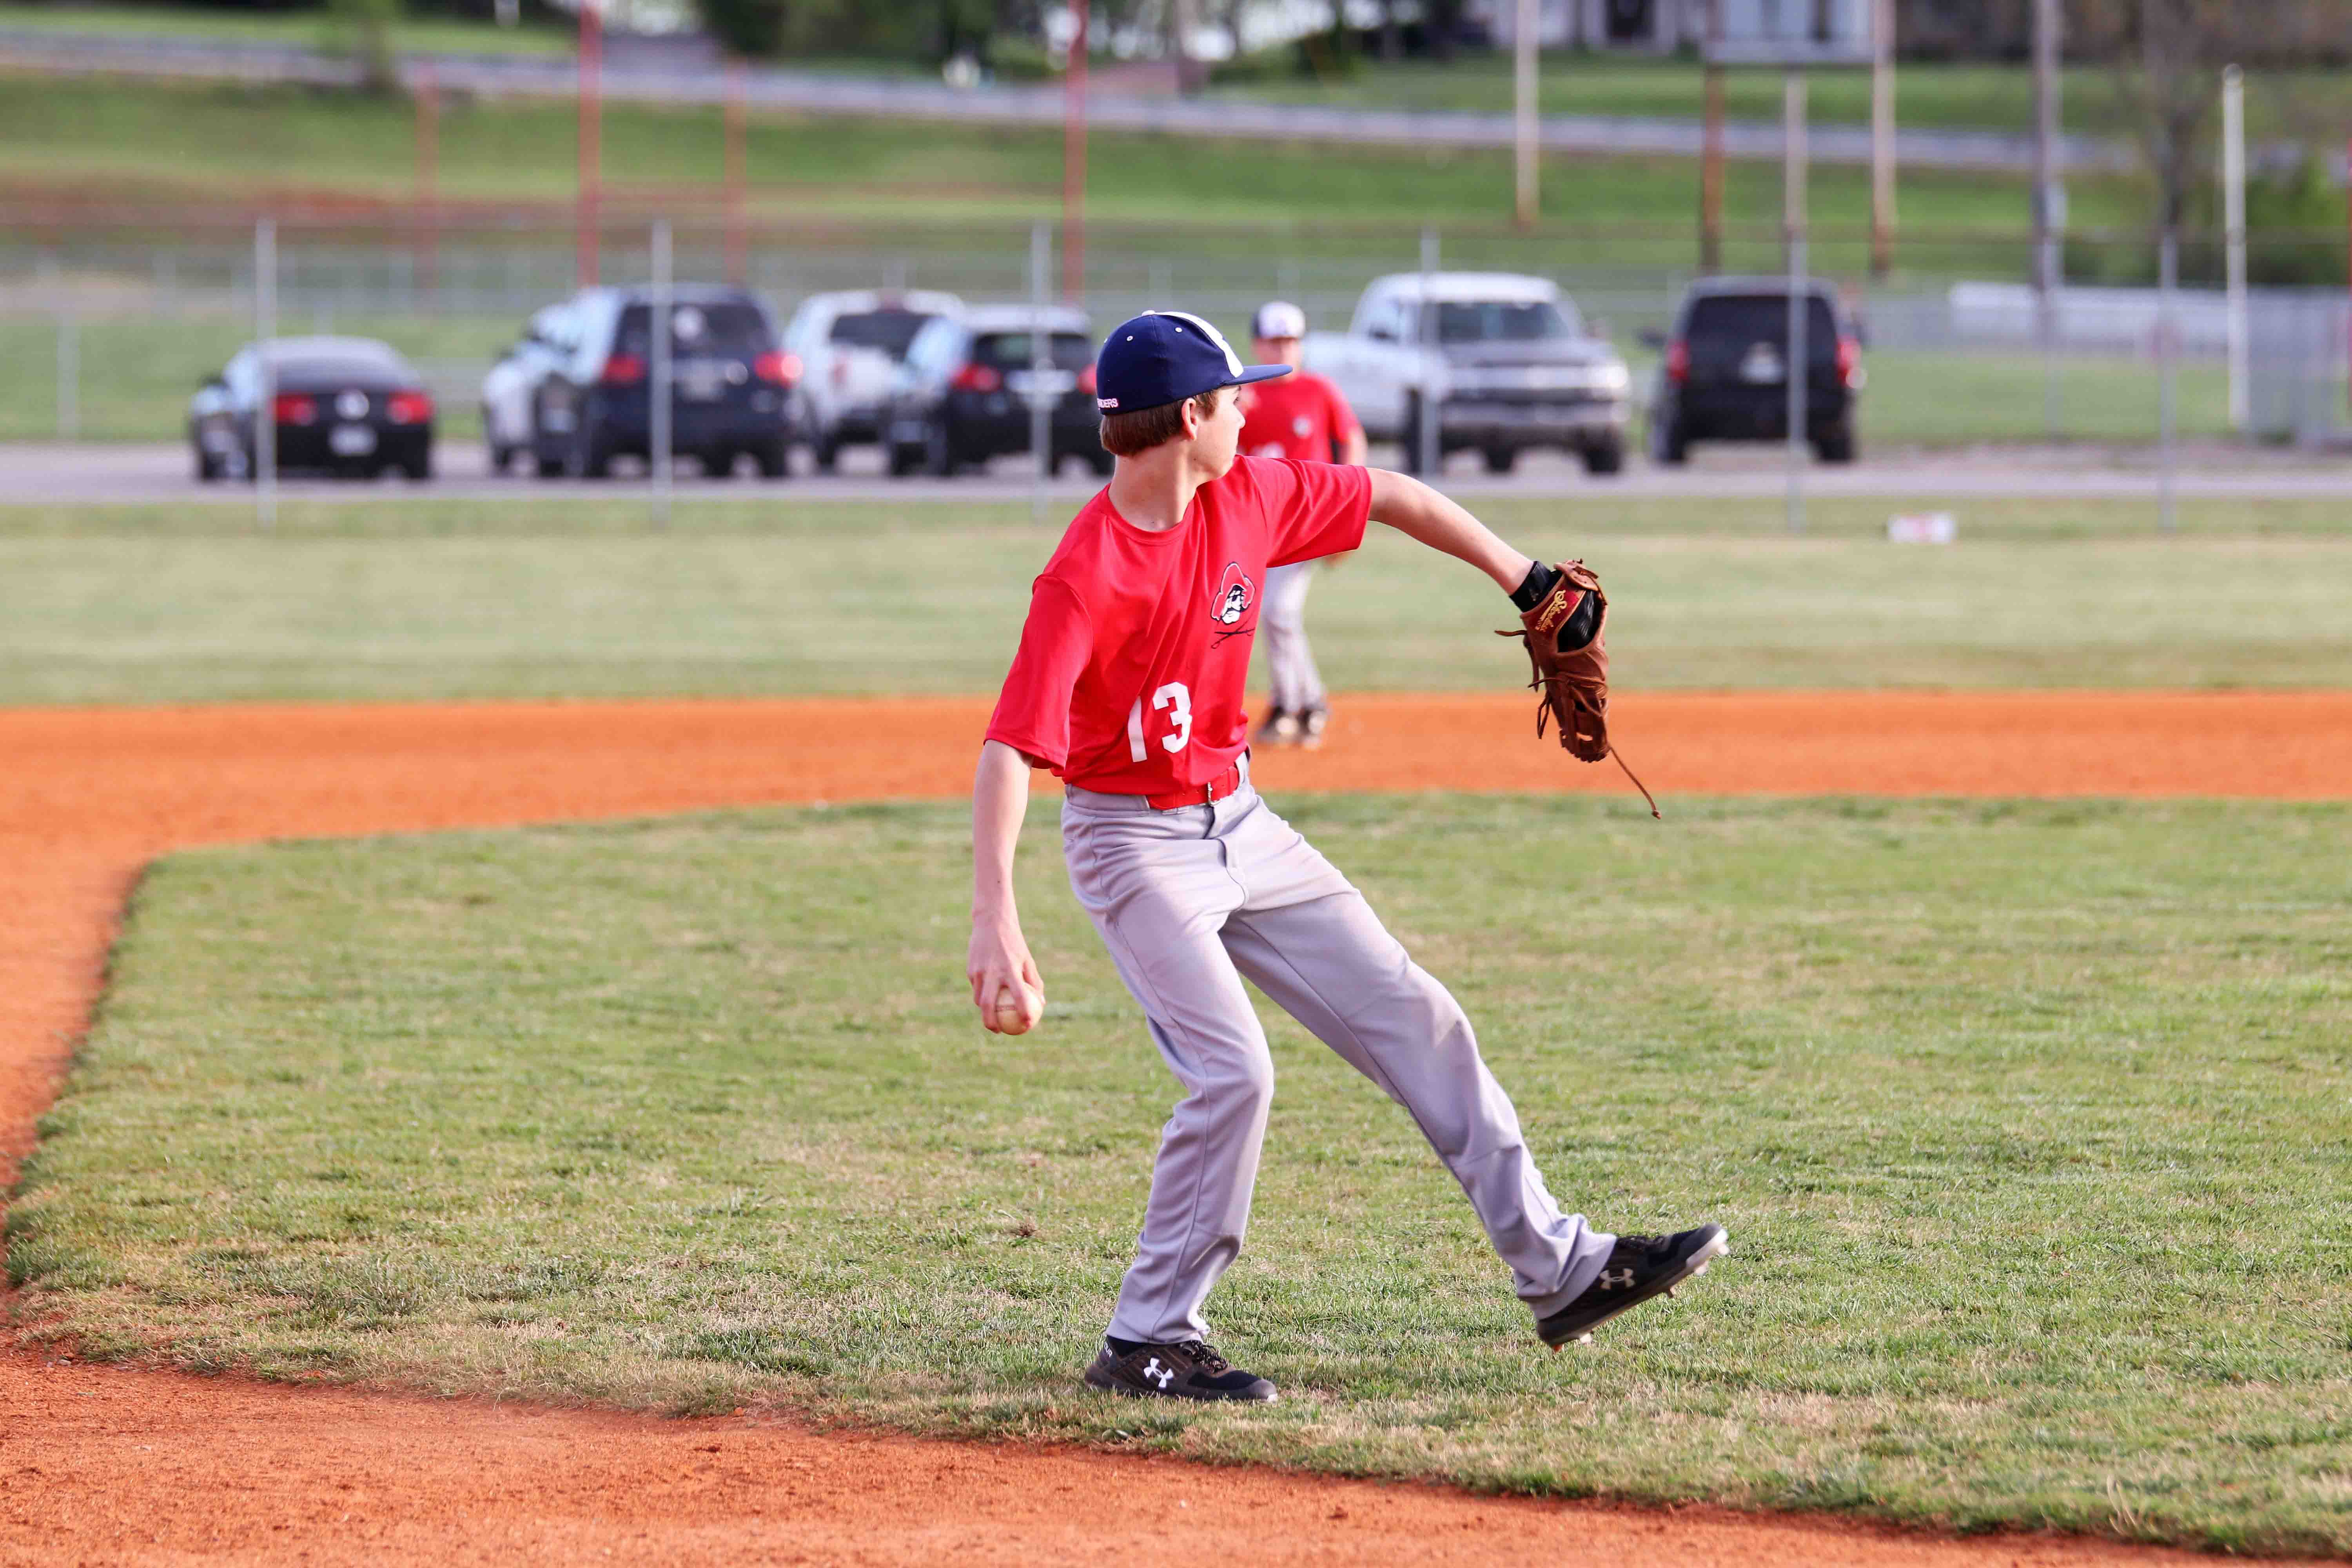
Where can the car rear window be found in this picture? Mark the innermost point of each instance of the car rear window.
(1729, 324)
(1013, 350)
(1501, 322)
(340, 367)
(888, 330)
(725, 327)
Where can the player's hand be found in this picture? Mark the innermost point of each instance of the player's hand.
(1006, 984)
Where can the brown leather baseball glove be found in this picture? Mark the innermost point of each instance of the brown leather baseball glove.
(1566, 646)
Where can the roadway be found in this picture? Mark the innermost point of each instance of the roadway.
(92, 473)
(918, 98)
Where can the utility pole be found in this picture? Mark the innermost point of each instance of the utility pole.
(592, 134)
(1799, 364)
(429, 168)
(1710, 166)
(2049, 202)
(2233, 226)
(1073, 164)
(1881, 140)
(1523, 120)
(738, 243)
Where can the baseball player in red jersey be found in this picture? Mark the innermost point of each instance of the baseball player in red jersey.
(1298, 416)
(1127, 683)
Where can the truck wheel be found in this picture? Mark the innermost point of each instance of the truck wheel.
(827, 452)
(1607, 458)
(1500, 459)
(545, 467)
(587, 458)
(1412, 436)
(939, 454)
(774, 459)
(1669, 444)
(1836, 443)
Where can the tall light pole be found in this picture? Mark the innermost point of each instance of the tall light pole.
(1881, 140)
(1073, 164)
(1710, 158)
(2047, 202)
(1523, 120)
(591, 137)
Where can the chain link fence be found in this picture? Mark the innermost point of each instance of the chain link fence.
(105, 339)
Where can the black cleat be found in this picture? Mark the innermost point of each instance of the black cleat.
(1639, 1268)
(1188, 1370)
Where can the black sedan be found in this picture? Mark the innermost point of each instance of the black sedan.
(970, 386)
(339, 406)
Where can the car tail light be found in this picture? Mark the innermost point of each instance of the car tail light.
(1678, 361)
(976, 378)
(784, 369)
(408, 408)
(293, 408)
(1849, 361)
(624, 370)
(1087, 381)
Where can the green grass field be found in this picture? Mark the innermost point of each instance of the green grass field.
(1939, 96)
(419, 599)
(229, 139)
(2028, 1121)
(289, 29)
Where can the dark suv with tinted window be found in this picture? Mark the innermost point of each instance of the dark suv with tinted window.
(1725, 375)
(729, 383)
(971, 385)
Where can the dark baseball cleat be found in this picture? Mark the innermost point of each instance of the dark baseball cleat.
(1639, 1268)
(1311, 725)
(1188, 1370)
(1281, 728)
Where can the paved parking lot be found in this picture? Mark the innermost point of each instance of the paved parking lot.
(94, 473)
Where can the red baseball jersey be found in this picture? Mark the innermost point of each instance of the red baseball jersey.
(1129, 674)
(1295, 416)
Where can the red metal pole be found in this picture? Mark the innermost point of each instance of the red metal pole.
(592, 127)
(1074, 164)
(736, 246)
(428, 160)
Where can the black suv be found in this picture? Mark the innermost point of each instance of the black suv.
(965, 393)
(1725, 377)
(728, 384)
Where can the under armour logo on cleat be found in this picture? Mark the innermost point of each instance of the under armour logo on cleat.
(1163, 1375)
(1616, 1279)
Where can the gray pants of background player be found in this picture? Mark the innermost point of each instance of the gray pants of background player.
(1282, 627)
(1191, 901)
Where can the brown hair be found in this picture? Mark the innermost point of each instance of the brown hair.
(1126, 434)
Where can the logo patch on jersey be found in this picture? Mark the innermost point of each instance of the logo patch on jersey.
(1235, 596)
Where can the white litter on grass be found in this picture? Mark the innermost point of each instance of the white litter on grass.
(1922, 528)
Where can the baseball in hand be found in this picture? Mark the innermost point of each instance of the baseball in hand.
(1015, 1008)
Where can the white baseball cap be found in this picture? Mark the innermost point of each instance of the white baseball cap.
(1278, 318)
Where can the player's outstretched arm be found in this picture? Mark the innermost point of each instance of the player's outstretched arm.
(1414, 509)
(1005, 985)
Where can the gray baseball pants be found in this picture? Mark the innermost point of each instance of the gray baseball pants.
(1282, 627)
(1191, 903)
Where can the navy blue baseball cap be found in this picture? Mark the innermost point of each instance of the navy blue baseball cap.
(1167, 356)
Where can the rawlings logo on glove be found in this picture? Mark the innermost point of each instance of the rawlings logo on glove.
(1566, 646)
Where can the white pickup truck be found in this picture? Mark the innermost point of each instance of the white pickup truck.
(1506, 359)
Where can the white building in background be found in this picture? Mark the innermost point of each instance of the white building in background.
(1662, 27)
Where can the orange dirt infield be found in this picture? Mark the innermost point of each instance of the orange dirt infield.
(119, 1466)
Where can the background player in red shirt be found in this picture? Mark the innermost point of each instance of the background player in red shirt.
(1299, 415)
(1129, 684)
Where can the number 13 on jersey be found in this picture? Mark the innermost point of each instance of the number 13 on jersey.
(1177, 703)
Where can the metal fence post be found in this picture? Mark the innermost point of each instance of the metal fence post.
(265, 408)
(1799, 366)
(661, 380)
(68, 373)
(2234, 225)
(1425, 438)
(2168, 355)
(1041, 360)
